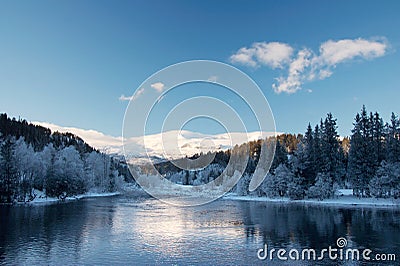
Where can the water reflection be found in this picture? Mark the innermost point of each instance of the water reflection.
(301, 226)
(131, 230)
(51, 233)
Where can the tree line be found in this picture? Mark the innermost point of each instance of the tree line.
(60, 164)
(318, 163)
(368, 161)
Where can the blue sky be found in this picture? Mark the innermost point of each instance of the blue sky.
(68, 62)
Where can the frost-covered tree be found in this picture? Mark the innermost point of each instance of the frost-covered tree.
(269, 186)
(60, 164)
(242, 186)
(282, 176)
(112, 177)
(386, 183)
(28, 166)
(68, 176)
(100, 172)
(94, 170)
(46, 167)
(323, 188)
(295, 189)
(276, 185)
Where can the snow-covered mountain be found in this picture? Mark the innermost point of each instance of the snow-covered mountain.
(167, 145)
(94, 138)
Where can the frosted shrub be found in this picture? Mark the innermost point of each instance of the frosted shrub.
(322, 189)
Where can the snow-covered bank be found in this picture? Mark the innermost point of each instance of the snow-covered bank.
(342, 199)
(42, 199)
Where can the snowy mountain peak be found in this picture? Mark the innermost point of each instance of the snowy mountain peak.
(171, 144)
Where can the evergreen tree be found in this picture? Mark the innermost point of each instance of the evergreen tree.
(303, 162)
(8, 171)
(316, 151)
(281, 156)
(378, 138)
(331, 150)
(393, 139)
(362, 161)
(309, 163)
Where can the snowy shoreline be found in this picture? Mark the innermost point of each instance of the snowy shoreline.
(42, 199)
(340, 200)
(343, 199)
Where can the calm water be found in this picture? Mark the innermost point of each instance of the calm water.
(140, 230)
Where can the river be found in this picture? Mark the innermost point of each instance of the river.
(138, 230)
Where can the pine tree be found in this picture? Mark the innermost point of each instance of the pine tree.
(378, 137)
(393, 139)
(316, 151)
(362, 160)
(309, 158)
(8, 171)
(331, 150)
(280, 157)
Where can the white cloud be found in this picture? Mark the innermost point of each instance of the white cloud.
(335, 52)
(324, 73)
(125, 98)
(158, 86)
(244, 56)
(292, 83)
(305, 65)
(272, 54)
(133, 97)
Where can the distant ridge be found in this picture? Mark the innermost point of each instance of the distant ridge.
(189, 142)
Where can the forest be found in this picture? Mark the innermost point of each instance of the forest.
(311, 165)
(60, 164)
(318, 163)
